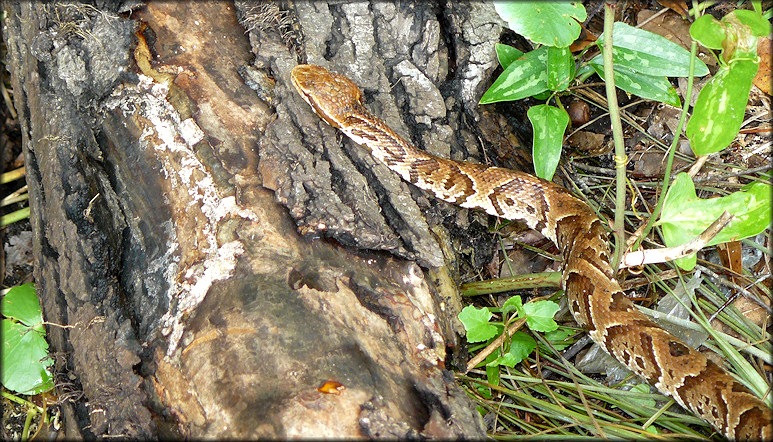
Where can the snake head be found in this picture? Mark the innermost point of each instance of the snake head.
(332, 96)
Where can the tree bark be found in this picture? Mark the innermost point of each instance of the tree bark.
(186, 301)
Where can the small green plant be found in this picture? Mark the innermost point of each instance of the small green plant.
(25, 360)
(721, 104)
(642, 63)
(685, 215)
(538, 316)
(25, 350)
(715, 122)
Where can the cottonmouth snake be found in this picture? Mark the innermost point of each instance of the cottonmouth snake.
(595, 297)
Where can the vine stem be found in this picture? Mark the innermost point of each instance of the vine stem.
(672, 149)
(617, 133)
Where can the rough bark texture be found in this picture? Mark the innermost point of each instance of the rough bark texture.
(421, 68)
(192, 304)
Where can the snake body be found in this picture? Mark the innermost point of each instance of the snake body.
(595, 297)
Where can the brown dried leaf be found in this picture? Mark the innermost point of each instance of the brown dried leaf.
(730, 255)
(590, 143)
(678, 7)
(585, 39)
(762, 80)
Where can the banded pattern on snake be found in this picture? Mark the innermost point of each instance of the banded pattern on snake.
(595, 297)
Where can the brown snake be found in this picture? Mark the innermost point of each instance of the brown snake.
(595, 297)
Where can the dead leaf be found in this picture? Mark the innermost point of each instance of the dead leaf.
(762, 80)
(585, 39)
(678, 7)
(651, 163)
(590, 143)
(730, 255)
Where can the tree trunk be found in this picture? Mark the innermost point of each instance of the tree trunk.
(185, 299)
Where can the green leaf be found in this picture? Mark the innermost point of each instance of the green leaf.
(492, 373)
(652, 429)
(644, 402)
(24, 351)
(521, 346)
(24, 359)
(476, 323)
(647, 64)
(485, 392)
(491, 357)
(708, 31)
(506, 54)
(542, 96)
(647, 53)
(549, 124)
(685, 215)
(559, 338)
(740, 39)
(512, 304)
(560, 67)
(585, 69)
(22, 304)
(522, 78)
(539, 315)
(553, 24)
(757, 24)
(645, 86)
(719, 110)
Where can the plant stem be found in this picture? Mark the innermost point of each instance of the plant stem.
(671, 150)
(617, 134)
(25, 433)
(13, 175)
(18, 400)
(10, 199)
(15, 216)
(520, 282)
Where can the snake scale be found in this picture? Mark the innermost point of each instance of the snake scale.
(595, 297)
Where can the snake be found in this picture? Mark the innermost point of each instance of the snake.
(595, 297)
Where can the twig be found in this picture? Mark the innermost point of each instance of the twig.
(15, 197)
(632, 283)
(594, 169)
(732, 298)
(483, 354)
(653, 256)
(8, 101)
(653, 17)
(520, 282)
(696, 167)
(721, 178)
(731, 284)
